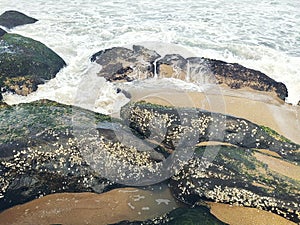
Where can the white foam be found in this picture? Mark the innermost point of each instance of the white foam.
(235, 31)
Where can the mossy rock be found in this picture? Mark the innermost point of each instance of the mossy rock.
(13, 18)
(39, 153)
(25, 121)
(25, 63)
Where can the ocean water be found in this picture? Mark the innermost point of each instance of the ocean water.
(264, 36)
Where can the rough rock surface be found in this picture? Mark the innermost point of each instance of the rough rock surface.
(237, 76)
(123, 64)
(11, 19)
(25, 63)
(2, 32)
(169, 125)
(192, 216)
(235, 176)
(47, 147)
(229, 175)
(39, 153)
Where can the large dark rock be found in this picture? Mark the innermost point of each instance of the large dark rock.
(2, 32)
(122, 64)
(235, 176)
(204, 70)
(231, 175)
(11, 19)
(46, 147)
(40, 155)
(202, 126)
(25, 63)
(180, 216)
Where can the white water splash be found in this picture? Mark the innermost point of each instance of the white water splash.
(262, 36)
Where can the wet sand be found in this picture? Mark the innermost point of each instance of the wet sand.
(280, 166)
(90, 208)
(237, 215)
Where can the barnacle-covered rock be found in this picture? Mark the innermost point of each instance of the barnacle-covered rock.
(235, 176)
(41, 155)
(168, 125)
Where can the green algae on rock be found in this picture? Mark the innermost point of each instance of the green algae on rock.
(25, 63)
(40, 155)
(47, 147)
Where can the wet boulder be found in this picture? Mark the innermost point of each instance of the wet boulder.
(47, 147)
(123, 64)
(26, 63)
(204, 70)
(235, 176)
(40, 153)
(11, 19)
(174, 127)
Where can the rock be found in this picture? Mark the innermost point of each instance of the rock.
(122, 64)
(40, 154)
(11, 19)
(124, 92)
(175, 123)
(47, 147)
(192, 216)
(235, 176)
(2, 32)
(174, 66)
(26, 63)
(298, 103)
(204, 70)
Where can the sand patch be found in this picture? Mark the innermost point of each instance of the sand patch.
(90, 208)
(280, 166)
(238, 215)
(269, 152)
